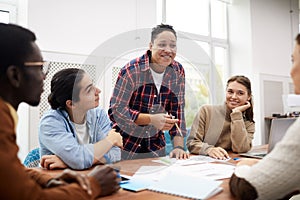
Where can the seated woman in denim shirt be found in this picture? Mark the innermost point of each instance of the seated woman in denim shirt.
(75, 132)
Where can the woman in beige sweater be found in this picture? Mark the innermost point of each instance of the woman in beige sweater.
(219, 128)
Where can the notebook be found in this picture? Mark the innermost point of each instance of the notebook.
(143, 177)
(279, 126)
(186, 186)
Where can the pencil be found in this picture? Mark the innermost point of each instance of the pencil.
(178, 129)
(173, 117)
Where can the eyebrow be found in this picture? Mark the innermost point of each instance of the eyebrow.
(89, 86)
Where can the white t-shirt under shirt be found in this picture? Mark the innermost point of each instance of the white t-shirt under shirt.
(82, 133)
(157, 77)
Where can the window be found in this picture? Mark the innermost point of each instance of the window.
(7, 13)
(204, 29)
(189, 15)
(4, 16)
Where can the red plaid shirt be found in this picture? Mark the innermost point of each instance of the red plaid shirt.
(135, 92)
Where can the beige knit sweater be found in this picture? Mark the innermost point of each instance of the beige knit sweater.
(277, 174)
(215, 125)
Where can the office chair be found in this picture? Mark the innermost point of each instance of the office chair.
(33, 158)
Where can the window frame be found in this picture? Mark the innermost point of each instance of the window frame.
(11, 9)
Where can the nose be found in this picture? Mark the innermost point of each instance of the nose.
(169, 49)
(233, 95)
(97, 90)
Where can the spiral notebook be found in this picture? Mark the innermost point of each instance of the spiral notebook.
(187, 186)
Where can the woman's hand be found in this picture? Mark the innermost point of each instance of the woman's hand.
(242, 108)
(52, 162)
(115, 138)
(179, 154)
(69, 176)
(218, 153)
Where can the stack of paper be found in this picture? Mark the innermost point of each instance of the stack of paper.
(174, 180)
(186, 186)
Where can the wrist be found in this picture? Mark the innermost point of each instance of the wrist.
(179, 147)
(110, 140)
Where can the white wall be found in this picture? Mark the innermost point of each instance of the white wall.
(78, 27)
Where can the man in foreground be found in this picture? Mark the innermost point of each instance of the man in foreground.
(22, 72)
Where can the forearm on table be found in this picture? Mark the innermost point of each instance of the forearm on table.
(196, 145)
(241, 188)
(100, 149)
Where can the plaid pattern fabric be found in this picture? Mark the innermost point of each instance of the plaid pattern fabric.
(135, 93)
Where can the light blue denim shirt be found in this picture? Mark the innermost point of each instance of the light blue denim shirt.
(57, 136)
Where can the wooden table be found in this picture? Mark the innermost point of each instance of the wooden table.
(129, 167)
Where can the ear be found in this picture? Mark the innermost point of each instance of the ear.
(150, 46)
(14, 75)
(69, 104)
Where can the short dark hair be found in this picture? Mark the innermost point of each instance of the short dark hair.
(15, 45)
(65, 86)
(161, 28)
(245, 82)
(298, 39)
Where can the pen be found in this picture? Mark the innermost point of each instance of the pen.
(178, 129)
(173, 117)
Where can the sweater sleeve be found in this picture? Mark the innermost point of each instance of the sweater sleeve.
(276, 175)
(195, 142)
(241, 133)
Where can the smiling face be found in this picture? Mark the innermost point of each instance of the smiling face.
(236, 95)
(88, 94)
(163, 49)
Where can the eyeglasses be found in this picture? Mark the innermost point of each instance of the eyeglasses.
(45, 65)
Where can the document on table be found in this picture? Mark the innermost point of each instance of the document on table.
(144, 177)
(214, 171)
(186, 186)
(193, 160)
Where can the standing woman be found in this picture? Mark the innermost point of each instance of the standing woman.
(148, 99)
(75, 132)
(219, 128)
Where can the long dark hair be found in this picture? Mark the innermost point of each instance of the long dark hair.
(245, 82)
(65, 86)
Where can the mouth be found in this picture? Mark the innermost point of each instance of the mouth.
(166, 56)
(234, 103)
